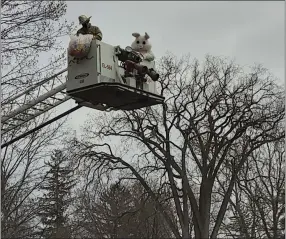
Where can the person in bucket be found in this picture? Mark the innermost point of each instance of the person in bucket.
(87, 28)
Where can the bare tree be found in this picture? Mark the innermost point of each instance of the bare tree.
(30, 31)
(22, 172)
(257, 205)
(212, 113)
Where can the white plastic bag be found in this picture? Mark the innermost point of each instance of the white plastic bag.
(79, 46)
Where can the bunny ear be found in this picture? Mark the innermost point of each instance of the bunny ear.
(135, 34)
(146, 36)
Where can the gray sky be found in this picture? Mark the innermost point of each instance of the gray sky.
(250, 32)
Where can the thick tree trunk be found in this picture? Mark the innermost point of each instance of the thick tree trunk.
(205, 206)
(185, 229)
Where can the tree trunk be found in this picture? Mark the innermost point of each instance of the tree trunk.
(205, 207)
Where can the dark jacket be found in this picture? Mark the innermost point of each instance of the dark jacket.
(95, 31)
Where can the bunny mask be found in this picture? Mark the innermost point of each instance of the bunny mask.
(142, 45)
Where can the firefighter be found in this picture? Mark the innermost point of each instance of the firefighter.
(87, 28)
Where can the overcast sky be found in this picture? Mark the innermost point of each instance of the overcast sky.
(250, 32)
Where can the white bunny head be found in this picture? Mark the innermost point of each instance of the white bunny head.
(141, 43)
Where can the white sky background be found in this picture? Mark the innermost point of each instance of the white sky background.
(250, 32)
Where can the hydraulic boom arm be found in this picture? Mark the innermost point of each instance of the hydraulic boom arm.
(34, 101)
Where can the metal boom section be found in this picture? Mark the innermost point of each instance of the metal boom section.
(38, 99)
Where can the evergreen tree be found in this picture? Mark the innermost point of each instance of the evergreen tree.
(120, 211)
(56, 199)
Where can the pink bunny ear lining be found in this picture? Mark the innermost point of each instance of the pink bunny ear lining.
(135, 34)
